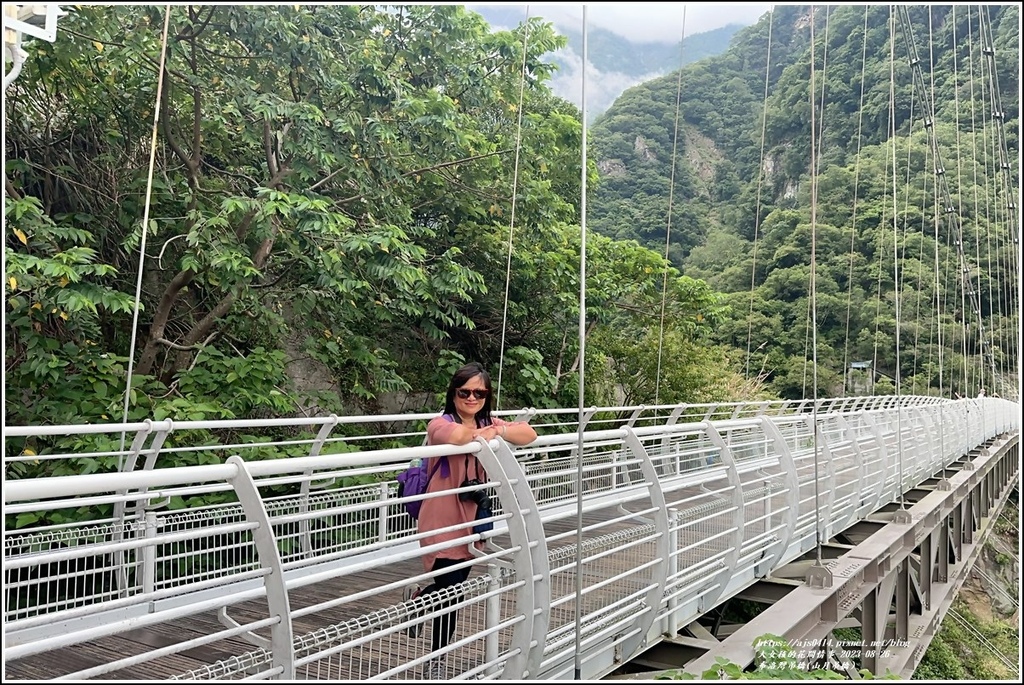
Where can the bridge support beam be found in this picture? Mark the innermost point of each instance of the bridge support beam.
(877, 575)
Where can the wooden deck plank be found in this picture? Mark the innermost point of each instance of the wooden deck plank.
(357, 663)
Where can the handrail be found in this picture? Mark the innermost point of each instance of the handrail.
(680, 516)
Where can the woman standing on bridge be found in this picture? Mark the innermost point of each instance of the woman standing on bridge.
(467, 416)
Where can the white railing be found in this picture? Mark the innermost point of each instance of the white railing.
(259, 563)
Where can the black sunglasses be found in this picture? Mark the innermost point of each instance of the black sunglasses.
(479, 394)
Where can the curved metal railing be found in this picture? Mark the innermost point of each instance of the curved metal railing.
(258, 563)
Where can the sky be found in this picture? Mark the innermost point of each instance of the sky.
(648, 21)
(642, 22)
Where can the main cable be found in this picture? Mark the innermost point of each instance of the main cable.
(512, 219)
(577, 651)
(145, 227)
(668, 228)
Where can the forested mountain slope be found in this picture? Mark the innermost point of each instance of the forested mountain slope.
(726, 144)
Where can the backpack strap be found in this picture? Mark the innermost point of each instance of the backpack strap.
(437, 465)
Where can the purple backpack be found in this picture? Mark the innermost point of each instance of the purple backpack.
(414, 481)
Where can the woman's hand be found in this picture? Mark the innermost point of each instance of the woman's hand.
(488, 432)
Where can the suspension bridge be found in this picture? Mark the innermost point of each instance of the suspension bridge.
(283, 549)
(249, 566)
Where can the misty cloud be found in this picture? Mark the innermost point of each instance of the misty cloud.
(602, 88)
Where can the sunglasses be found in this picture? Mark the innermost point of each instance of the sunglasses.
(479, 394)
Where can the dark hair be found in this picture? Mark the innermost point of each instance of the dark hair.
(459, 379)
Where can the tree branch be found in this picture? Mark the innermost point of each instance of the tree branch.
(268, 149)
(11, 191)
(433, 167)
(165, 125)
(161, 317)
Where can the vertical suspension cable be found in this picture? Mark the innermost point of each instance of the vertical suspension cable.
(577, 651)
(760, 183)
(906, 186)
(959, 197)
(919, 287)
(668, 228)
(935, 234)
(1012, 224)
(878, 278)
(950, 209)
(979, 260)
(924, 213)
(961, 254)
(997, 315)
(512, 219)
(811, 317)
(856, 189)
(145, 227)
(895, 252)
(818, 541)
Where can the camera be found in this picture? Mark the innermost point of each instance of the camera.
(482, 499)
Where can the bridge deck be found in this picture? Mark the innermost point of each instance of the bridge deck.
(679, 518)
(367, 661)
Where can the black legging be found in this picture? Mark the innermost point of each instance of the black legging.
(444, 623)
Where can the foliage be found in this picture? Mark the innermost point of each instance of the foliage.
(358, 189)
(384, 194)
(966, 653)
(737, 167)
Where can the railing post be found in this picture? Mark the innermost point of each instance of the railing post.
(305, 536)
(790, 483)
(672, 619)
(120, 508)
(492, 616)
(731, 559)
(149, 555)
(829, 476)
(659, 573)
(282, 646)
(382, 522)
(530, 563)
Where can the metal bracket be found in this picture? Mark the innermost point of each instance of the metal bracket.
(819, 577)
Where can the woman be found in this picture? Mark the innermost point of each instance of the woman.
(467, 416)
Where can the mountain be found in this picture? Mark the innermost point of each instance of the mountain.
(720, 176)
(615, 63)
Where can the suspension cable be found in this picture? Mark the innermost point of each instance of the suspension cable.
(856, 189)
(878, 278)
(145, 225)
(962, 279)
(811, 337)
(1008, 185)
(760, 183)
(895, 252)
(668, 227)
(928, 108)
(940, 306)
(578, 650)
(818, 537)
(979, 260)
(924, 213)
(512, 219)
(935, 236)
(906, 192)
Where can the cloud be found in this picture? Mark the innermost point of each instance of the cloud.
(647, 22)
(602, 88)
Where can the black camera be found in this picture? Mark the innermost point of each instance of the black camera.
(482, 499)
(483, 505)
